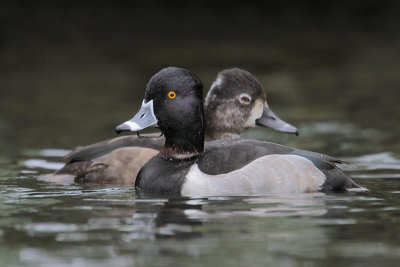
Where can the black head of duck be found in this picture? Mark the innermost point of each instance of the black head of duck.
(174, 102)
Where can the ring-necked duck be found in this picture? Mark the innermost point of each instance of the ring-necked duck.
(235, 102)
(173, 100)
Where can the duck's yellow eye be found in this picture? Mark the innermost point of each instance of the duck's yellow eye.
(172, 94)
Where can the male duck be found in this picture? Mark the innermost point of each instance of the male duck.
(235, 102)
(185, 165)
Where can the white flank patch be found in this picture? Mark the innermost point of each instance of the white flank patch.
(268, 174)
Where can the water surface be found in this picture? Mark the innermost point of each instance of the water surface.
(52, 224)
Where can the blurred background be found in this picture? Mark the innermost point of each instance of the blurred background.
(70, 71)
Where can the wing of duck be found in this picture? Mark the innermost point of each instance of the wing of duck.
(100, 149)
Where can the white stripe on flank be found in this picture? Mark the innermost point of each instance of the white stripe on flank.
(268, 174)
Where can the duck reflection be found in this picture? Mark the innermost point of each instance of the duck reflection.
(182, 217)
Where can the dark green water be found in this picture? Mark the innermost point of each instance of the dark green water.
(69, 74)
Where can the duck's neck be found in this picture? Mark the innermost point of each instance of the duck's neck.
(219, 124)
(185, 143)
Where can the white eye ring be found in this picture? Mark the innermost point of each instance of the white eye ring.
(245, 99)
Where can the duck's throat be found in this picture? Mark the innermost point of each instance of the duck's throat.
(182, 147)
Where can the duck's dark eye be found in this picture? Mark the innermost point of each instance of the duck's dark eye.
(244, 99)
(172, 94)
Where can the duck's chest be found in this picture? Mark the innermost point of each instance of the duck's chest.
(163, 176)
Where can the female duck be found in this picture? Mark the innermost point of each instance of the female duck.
(236, 102)
(173, 101)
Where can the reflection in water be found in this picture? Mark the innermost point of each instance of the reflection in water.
(379, 165)
(379, 161)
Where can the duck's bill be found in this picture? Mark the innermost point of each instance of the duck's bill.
(143, 119)
(271, 120)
